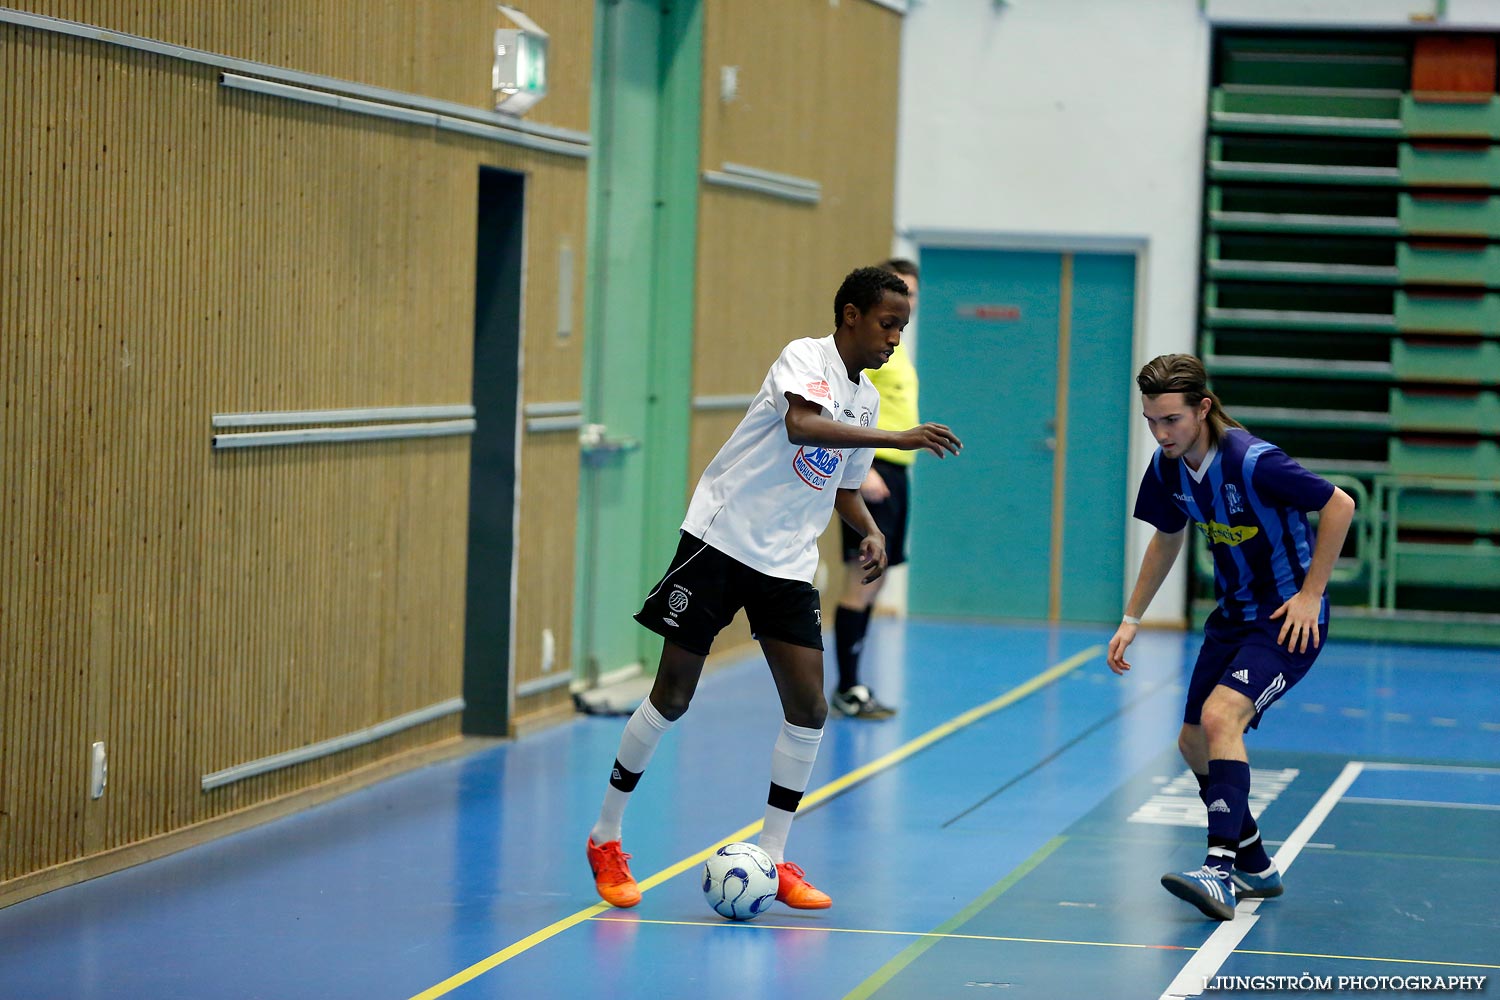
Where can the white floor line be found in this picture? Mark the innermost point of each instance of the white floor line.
(1205, 963)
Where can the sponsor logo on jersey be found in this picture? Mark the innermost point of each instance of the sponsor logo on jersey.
(1223, 534)
(1182, 498)
(817, 465)
(1232, 497)
(819, 389)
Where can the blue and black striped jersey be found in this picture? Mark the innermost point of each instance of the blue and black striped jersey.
(1250, 503)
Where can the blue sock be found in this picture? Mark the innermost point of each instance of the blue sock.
(1228, 798)
(1251, 856)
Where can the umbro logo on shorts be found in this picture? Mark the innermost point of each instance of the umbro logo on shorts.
(671, 621)
(1243, 676)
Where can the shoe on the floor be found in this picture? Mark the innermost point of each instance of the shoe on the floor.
(859, 703)
(1205, 888)
(612, 874)
(1247, 886)
(793, 889)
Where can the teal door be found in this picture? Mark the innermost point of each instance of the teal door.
(1027, 355)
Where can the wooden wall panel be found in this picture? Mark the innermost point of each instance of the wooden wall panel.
(544, 597)
(440, 50)
(170, 249)
(821, 105)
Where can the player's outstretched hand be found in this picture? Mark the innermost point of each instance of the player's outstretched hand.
(1124, 636)
(935, 438)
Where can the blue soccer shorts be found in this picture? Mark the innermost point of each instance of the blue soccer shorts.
(1245, 657)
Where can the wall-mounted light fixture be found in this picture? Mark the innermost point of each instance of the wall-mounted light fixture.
(519, 77)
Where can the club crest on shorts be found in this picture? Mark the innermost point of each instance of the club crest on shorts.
(677, 600)
(817, 465)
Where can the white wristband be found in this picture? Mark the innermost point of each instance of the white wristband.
(1128, 620)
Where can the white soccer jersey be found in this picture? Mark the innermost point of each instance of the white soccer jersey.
(764, 500)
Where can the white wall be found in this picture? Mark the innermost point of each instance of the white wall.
(1066, 118)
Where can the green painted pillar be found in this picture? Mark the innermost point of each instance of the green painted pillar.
(643, 208)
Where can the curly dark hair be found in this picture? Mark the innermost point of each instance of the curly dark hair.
(865, 287)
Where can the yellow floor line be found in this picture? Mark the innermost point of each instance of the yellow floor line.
(935, 935)
(902, 752)
(916, 949)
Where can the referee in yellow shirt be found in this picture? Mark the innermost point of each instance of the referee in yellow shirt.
(885, 493)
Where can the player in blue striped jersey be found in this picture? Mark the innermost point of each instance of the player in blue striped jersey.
(1250, 503)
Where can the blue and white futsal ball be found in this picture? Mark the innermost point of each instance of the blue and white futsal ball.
(739, 881)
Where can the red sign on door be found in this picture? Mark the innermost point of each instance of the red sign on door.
(1000, 314)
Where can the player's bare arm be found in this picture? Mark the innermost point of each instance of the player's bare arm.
(1301, 612)
(872, 555)
(874, 488)
(1161, 553)
(807, 423)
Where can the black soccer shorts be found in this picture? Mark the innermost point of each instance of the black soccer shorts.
(704, 588)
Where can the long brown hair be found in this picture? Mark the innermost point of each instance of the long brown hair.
(1185, 374)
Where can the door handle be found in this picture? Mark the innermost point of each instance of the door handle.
(595, 443)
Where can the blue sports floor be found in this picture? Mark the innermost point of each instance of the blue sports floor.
(1002, 836)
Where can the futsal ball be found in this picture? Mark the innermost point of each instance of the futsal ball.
(739, 881)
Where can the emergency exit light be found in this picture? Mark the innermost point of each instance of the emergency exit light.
(519, 77)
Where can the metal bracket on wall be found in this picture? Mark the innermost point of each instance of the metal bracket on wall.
(348, 741)
(316, 426)
(565, 416)
(785, 186)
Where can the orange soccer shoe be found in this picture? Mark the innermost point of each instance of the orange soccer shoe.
(793, 889)
(612, 874)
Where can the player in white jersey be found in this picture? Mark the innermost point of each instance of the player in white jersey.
(750, 540)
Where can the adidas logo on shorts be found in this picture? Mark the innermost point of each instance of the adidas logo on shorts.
(1243, 676)
(1219, 806)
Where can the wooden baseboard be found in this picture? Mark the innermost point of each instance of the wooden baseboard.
(130, 855)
